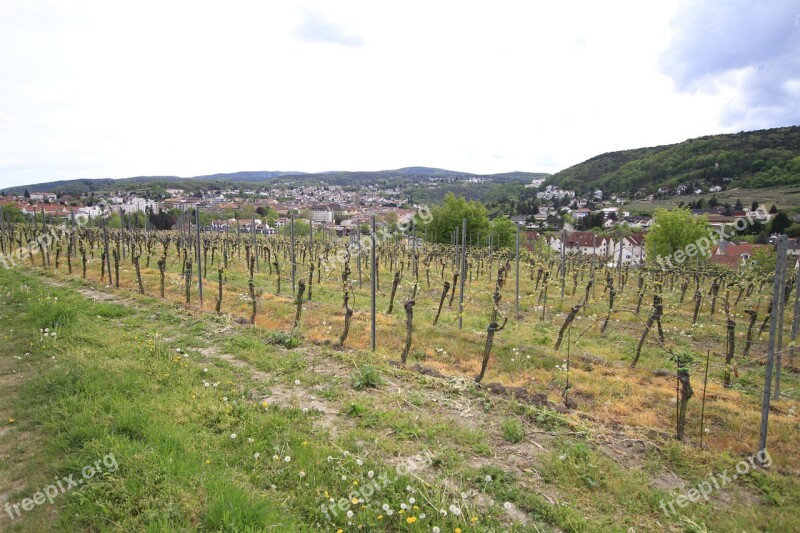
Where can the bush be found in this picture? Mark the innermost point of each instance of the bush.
(513, 431)
(281, 338)
(367, 377)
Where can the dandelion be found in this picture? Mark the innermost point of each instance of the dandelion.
(455, 510)
(256, 455)
(359, 462)
(403, 506)
(287, 459)
(233, 435)
(276, 458)
(436, 529)
(208, 461)
(370, 474)
(297, 382)
(507, 506)
(205, 370)
(344, 478)
(349, 514)
(11, 420)
(354, 501)
(411, 519)
(412, 501)
(251, 440)
(330, 459)
(385, 507)
(302, 474)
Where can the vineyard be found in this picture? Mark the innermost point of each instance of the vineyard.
(595, 383)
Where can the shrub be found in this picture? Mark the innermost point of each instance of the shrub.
(513, 431)
(367, 377)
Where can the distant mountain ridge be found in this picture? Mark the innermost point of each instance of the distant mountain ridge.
(762, 158)
(253, 178)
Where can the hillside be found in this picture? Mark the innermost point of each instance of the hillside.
(754, 159)
(249, 179)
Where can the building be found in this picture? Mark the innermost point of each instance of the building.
(583, 242)
(632, 250)
(321, 213)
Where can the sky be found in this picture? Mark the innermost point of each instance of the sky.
(112, 89)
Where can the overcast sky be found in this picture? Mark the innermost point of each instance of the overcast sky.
(94, 89)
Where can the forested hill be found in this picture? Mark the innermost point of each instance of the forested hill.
(763, 158)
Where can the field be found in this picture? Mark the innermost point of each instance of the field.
(784, 198)
(198, 420)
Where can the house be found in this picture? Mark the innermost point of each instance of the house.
(321, 213)
(735, 255)
(583, 242)
(632, 250)
(582, 213)
(43, 196)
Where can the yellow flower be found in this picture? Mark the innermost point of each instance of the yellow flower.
(380, 517)
(411, 519)
(339, 531)
(355, 482)
(265, 404)
(208, 461)
(354, 501)
(473, 519)
(11, 420)
(305, 443)
(458, 530)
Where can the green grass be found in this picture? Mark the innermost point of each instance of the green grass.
(142, 381)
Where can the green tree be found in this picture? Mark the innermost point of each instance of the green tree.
(780, 223)
(446, 217)
(505, 232)
(12, 213)
(793, 231)
(672, 232)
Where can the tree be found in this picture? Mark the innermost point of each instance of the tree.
(672, 231)
(504, 231)
(754, 206)
(27, 194)
(780, 223)
(773, 210)
(12, 213)
(793, 231)
(738, 205)
(446, 217)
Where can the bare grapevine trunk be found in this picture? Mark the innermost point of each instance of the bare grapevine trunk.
(567, 323)
(493, 328)
(441, 301)
(301, 288)
(409, 307)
